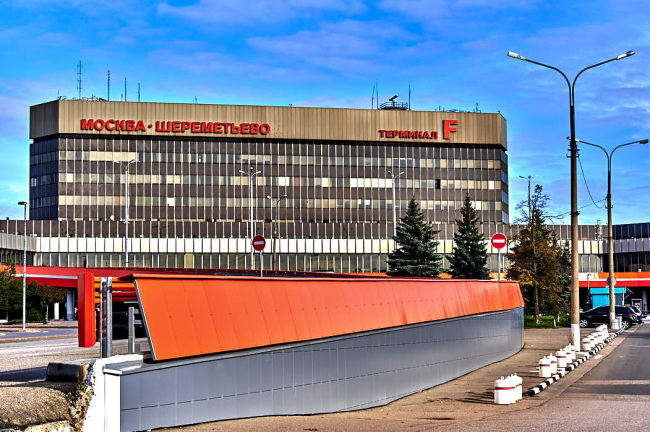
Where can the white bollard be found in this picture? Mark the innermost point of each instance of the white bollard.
(503, 391)
(553, 360)
(519, 387)
(571, 350)
(586, 344)
(561, 359)
(545, 368)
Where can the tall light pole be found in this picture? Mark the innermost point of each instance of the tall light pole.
(575, 283)
(613, 324)
(126, 167)
(251, 175)
(24, 204)
(528, 179)
(394, 177)
(277, 226)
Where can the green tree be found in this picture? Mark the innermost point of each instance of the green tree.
(415, 248)
(469, 258)
(540, 263)
(10, 290)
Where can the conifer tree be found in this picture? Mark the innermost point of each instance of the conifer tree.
(469, 258)
(416, 244)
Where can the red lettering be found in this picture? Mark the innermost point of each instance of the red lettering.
(434, 134)
(217, 128)
(185, 126)
(403, 134)
(419, 134)
(245, 128)
(99, 124)
(162, 127)
(381, 133)
(109, 123)
(425, 134)
(255, 128)
(176, 126)
(206, 127)
(413, 134)
(448, 127)
(196, 127)
(130, 125)
(265, 129)
(235, 129)
(140, 126)
(86, 124)
(119, 125)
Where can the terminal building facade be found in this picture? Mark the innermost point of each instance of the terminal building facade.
(321, 181)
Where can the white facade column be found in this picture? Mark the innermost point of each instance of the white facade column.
(69, 306)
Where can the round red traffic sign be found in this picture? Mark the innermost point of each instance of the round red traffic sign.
(258, 243)
(499, 241)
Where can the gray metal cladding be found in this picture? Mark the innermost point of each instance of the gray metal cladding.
(337, 374)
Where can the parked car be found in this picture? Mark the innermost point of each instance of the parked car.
(600, 315)
(639, 312)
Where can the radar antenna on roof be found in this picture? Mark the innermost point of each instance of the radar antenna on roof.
(108, 95)
(392, 105)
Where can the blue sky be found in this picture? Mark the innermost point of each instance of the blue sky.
(330, 53)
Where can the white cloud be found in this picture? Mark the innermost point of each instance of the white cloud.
(258, 12)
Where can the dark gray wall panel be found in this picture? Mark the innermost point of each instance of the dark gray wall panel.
(337, 374)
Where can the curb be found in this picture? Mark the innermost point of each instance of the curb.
(35, 338)
(544, 385)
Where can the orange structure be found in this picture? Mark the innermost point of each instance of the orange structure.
(196, 315)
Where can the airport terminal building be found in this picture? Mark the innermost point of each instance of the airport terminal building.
(321, 181)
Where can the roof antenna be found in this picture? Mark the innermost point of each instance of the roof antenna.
(124, 89)
(79, 66)
(372, 100)
(109, 86)
(138, 92)
(409, 95)
(377, 85)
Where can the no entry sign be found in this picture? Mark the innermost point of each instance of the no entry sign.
(499, 241)
(258, 243)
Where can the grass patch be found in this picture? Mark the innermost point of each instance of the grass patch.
(545, 321)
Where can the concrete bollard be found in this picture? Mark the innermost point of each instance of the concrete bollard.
(586, 344)
(519, 387)
(504, 389)
(545, 368)
(553, 360)
(561, 359)
(571, 353)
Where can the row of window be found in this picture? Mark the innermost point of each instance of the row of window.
(262, 202)
(283, 181)
(247, 159)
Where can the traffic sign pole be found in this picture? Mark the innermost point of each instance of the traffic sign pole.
(498, 242)
(258, 244)
(499, 263)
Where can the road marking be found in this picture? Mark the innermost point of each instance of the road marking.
(615, 382)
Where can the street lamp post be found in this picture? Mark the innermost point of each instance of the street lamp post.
(24, 204)
(528, 179)
(277, 227)
(394, 177)
(575, 283)
(126, 209)
(613, 324)
(251, 175)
